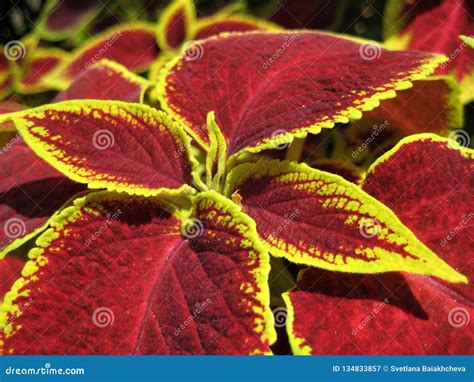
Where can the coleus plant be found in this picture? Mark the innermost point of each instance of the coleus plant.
(137, 45)
(171, 252)
(445, 27)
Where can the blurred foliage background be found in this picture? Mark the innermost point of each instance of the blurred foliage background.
(359, 18)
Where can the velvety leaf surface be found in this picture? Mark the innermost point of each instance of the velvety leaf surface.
(294, 83)
(61, 19)
(42, 63)
(10, 271)
(429, 106)
(30, 192)
(105, 80)
(174, 24)
(392, 313)
(145, 282)
(110, 144)
(438, 30)
(316, 218)
(132, 46)
(428, 183)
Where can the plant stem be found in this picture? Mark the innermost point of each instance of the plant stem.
(295, 150)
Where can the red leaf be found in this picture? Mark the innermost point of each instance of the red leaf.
(428, 183)
(34, 71)
(429, 106)
(10, 271)
(336, 313)
(132, 46)
(399, 13)
(116, 145)
(319, 219)
(61, 19)
(30, 192)
(145, 282)
(286, 88)
(438, 30)
(174, 24)
(105, 80)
